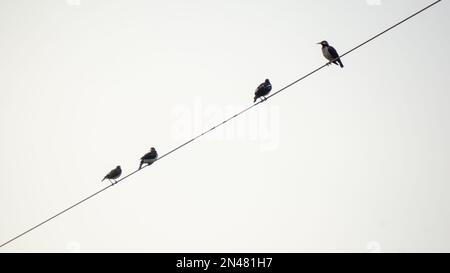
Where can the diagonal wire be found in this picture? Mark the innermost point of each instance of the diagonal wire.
(223, 122)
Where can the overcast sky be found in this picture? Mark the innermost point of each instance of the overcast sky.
(352, 159)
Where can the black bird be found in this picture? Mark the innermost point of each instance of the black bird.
(330, 53)
(113, 174)
(149, 158)
(263, 90)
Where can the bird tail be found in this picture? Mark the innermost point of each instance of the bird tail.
(140, 165)
(340, 63)
(254, 100)
(103, 178)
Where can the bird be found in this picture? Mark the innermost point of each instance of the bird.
(330, 53)
(113, 174)
(263, 90)
(149, 157)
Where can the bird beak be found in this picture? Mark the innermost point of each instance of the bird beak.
(319, 43)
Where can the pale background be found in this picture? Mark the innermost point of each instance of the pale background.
(353, 159)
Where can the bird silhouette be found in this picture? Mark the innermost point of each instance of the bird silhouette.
(113, 175)
(330, 53)
(149, 158)
(263, 90)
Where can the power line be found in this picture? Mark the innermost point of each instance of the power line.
(223, 122)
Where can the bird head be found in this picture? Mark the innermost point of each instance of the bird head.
(267, 81)
(152, 149)
(323, 43)
(118, 167)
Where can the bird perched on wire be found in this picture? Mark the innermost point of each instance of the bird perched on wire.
(330, 53)
(149, 158)
(113, 175)
(263, 90)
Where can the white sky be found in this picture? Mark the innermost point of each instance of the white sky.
(352, 159)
